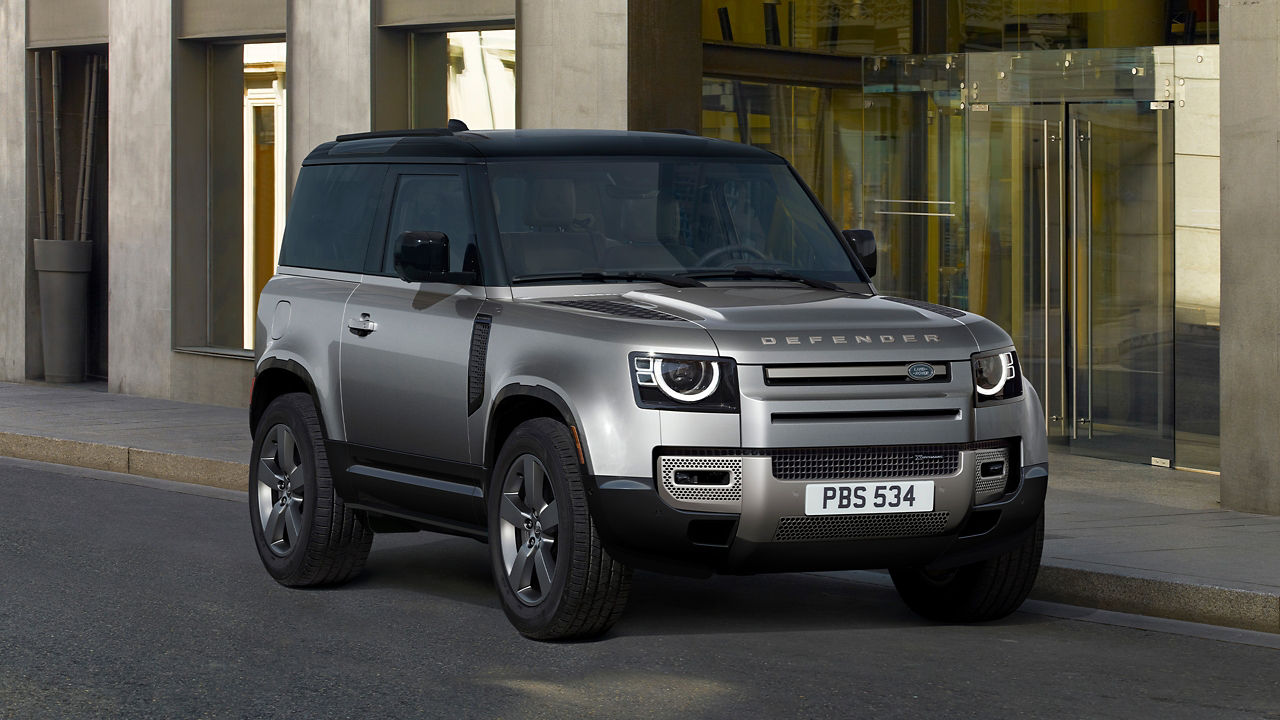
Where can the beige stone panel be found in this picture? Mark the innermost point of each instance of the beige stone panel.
(1196, 61)
(1197, 189)
(65, 452)
(1197, 119)
(1197, 267)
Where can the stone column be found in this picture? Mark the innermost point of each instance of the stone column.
(608, 64)
(140, 181)
(15, 240)
(1250, 354)
(330, 65)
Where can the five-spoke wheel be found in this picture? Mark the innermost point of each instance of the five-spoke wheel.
(554, 577)
(280, 490)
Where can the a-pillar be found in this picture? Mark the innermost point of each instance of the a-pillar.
(609, 64)
(1250, 355)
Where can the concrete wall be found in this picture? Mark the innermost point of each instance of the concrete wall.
(14, 239)
(1250, 354)
(197, 19)
(140, 182)
(450, 13)
(608, 64)
(330, 71)
(62, 23)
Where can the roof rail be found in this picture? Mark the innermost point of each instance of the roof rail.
(676, 131)
(455, 126)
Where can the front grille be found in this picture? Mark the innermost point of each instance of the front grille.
(844, 527)
(866, 462)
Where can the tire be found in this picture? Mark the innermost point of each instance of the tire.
(986, 590)
(304, 533)
(553, 575)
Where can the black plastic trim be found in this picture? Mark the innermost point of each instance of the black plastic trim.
(292, 367)
(480, 330)
(540, 393)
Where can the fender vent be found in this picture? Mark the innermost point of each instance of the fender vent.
(921, 304)
(620, 309)
(846, 527)
(475, 365)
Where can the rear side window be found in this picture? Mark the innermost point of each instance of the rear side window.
(332, 216)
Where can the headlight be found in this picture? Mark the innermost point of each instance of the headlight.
(996, 376)
(684, 383)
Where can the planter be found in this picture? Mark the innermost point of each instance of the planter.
(63, 270)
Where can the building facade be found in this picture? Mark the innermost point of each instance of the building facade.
(1056, 165)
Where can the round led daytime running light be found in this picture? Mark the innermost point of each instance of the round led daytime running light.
(1006, 372)
(682, 397)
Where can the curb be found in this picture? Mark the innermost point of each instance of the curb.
(1060, 581)
(132, 461)
(1147, 593)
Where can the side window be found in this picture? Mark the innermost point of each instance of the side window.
(331, 218)
(433, 202)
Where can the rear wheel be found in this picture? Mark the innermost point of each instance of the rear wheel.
(986, 590)
(304, 533)
(553, 575)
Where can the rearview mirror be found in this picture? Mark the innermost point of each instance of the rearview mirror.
(864, 246)
(423, 256)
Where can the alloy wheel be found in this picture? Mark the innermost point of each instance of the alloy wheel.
(529, 526)
(280, 488)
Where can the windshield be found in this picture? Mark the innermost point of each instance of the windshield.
(614, 216)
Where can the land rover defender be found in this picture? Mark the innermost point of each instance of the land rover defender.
(599, 351)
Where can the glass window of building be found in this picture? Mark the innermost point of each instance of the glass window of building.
(482, 78)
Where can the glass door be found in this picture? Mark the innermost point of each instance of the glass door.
(1071, 237)
(1119, 310)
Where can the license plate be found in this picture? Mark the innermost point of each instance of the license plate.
(868, 497)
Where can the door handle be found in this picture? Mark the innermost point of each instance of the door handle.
(362, 325)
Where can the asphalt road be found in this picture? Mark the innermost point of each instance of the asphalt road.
(135, 601)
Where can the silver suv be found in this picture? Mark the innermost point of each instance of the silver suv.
(600, 351)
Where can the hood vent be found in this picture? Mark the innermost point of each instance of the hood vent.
(921, 304)
(619, 309)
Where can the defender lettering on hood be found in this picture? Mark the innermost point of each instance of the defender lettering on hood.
(846, 339)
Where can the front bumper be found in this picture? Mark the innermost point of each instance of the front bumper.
(768, 531)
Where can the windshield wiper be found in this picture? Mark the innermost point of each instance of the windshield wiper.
(600, 276)
(744, 272)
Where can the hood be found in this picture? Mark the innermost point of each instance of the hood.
(772, 325)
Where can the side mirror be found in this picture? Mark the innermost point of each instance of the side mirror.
(864, 246)
(423, 256)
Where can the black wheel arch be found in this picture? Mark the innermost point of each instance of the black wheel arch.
(516, 403)
(276, 377)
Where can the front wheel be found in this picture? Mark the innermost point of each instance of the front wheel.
(553, 575)
(986, 590)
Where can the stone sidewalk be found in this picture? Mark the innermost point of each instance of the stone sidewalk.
(1120, 536)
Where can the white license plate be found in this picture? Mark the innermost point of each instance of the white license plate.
(868, 497)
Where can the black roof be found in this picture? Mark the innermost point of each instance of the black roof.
(409, 145)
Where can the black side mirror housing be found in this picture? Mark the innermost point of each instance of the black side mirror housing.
(864, 246)
(423, 256)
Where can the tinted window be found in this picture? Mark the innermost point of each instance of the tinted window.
(671, 216)
(332, 216)
(433, 202)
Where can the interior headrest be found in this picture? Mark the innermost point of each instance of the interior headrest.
(554, 203)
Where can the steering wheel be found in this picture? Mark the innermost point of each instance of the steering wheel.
(716, 254)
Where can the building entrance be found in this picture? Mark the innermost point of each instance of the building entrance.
(1075, 201)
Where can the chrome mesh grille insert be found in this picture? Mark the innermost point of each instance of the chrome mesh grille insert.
(731, 493)
(990, 488)
(866, 462)
(844, 527)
